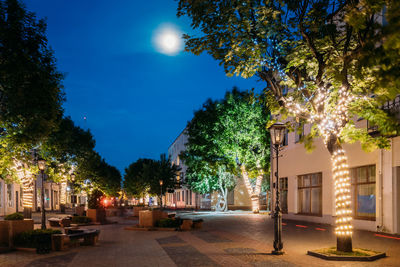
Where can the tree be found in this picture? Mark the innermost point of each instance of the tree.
(30, 86)
(224, 136)
(143, 176)
(323, 62)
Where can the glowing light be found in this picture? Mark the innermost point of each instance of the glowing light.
(342, 193)
(167, 40)
(27, 182)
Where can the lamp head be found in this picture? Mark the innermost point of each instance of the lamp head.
(41, 164)
(277, 131)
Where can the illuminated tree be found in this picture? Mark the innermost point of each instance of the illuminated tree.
(323, 62)
(228, 138)
(142, 177)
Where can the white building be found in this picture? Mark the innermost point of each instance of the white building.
(307, 187)
(183, 197)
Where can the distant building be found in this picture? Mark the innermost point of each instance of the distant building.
(183, 197)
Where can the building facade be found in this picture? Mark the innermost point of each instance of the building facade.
(183, 197)
(307, 186)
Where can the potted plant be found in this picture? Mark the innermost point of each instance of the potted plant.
(12, 225)
(95, 210)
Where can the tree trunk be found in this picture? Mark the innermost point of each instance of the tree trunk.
(342, 182)
(222, 199)
(253, 193)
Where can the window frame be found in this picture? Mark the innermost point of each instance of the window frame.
(284, 188)
(310, 198)
(354, 191)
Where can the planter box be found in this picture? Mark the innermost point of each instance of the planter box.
(8, 229)
(80, 211)
(137, 209)
(97, 215)
(148, 218)
(113, 212)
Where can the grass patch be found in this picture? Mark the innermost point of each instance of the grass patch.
(357, 252)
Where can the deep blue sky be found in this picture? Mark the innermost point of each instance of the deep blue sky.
(136, 100)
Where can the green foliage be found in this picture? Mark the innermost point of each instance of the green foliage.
(167, 223)
(221, 135)
(94, 199)
(142, 177)
(14, 216)
(80, 219)
(39, 239)
(306, 52)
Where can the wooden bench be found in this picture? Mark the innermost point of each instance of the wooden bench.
(90, 236)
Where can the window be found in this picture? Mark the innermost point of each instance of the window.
(21, 194)
(46, 199)
(310, 194)
(299, 132)
(283, 186)
(183, 195)
(1, 193)
(55, 195)
(363, 192)
(285, 138)
(10, 195)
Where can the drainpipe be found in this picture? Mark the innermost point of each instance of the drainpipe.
(380, 225)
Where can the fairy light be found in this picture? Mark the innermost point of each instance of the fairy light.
(63, 189)
(342, 193)
(255, 203)
(27, 183)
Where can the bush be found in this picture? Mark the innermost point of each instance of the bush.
(39, 239)
(167, 223)
(81, 219)
(14, 217)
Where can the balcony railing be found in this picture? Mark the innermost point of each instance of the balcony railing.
(393, 108)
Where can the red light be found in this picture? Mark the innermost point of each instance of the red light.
(105, 202)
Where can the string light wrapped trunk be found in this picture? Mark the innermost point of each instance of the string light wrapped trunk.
(254, 193)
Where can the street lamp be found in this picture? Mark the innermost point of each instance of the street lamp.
(277, 132)
(161, 183)
(73, 189)
(42, 166)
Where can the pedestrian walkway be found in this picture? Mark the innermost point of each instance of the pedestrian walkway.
(234, 239)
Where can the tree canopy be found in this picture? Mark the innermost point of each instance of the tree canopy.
(143, 176)
(222, 136)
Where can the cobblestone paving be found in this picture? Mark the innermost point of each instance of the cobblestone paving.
(233, 239)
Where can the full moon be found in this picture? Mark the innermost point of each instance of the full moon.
(168, 40)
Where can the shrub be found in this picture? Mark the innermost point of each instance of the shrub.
(14, 216)
(167, 223)
(80, 219)
(39, 239)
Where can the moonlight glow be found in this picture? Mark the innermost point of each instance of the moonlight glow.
(167, 40)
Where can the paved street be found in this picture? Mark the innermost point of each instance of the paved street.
(232, 239)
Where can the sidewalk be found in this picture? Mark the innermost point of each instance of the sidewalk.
(233, 239)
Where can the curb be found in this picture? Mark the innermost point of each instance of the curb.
(346, 258)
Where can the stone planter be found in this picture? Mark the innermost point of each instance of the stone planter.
(148, 218)
(8, 229)
(96, 215)
(186, 225)
(80, 211)
(137, 209)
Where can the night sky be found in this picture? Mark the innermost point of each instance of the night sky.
(136, 100)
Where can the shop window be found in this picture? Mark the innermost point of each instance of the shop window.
(364, 192)
(310, 194)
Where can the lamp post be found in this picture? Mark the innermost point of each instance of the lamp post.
(42, 166)
(277, 132)
(73, 189)
(161, 183)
